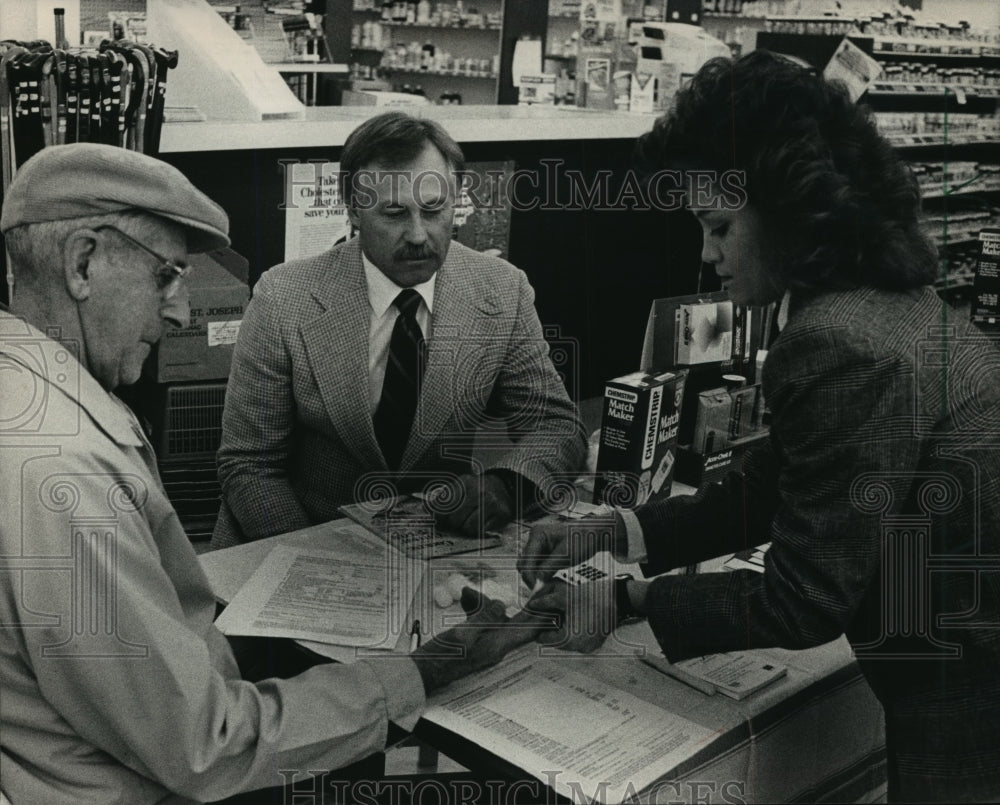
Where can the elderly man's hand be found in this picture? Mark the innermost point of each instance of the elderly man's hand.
(564, 543)
(482, 641)
(483, 504)
(585, 614)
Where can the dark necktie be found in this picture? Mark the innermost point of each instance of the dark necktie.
(403, 374)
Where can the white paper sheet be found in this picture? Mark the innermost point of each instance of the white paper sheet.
(606, 744)
(315, 215)
(325, 596)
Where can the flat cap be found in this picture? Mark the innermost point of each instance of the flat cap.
(62, 182)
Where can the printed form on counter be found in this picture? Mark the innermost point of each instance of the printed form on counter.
(607, 744)
(326, 596)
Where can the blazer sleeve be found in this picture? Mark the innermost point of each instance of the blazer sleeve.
(841, 413)
(258, 423)
(724, 517)
(530, 396)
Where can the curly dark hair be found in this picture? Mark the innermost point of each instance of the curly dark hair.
(840, 208)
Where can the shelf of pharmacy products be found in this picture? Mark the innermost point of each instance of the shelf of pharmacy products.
(441, 27)
(923, 90)
(941, 139)
(445, 39)
(449, 73)
(964, 189)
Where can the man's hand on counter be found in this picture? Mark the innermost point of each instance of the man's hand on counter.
(483, 504)
(554, 545)
(482, 641)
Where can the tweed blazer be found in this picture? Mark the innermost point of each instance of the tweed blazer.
(880, 495)
(297, 434)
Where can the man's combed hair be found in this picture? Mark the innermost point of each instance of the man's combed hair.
(391, 140)
(841, 209)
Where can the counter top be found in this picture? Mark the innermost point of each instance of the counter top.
(328, 126)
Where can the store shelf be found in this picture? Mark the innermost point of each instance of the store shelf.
(329, 127)
(930, 47)
(911, 89)
(557, 57)
(441, 27)
(450, 73)
(919, 140)
(938, 191)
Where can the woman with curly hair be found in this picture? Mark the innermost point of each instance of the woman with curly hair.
(879, 489)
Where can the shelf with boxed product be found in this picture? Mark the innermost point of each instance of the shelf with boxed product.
(929, 47)
(940, 138)
(885, 88)
(449, 73)
(943, 191)
(439, 26)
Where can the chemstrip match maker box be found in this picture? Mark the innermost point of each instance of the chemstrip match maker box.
(986, 284)
(635, 458)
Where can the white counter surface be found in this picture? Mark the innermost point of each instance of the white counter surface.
(328, 126)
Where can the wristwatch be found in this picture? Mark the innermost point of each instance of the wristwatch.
(623, 603)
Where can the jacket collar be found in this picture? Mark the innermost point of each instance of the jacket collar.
(24, 348)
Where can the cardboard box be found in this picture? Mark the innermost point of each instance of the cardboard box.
(986, 284)
(534, 89)
(704, 332)
(696, 469)
(354, 97)
(711, 430)
(635, 458)
(598, 83)
(219, 295)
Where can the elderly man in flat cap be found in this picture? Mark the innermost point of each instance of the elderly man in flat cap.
(116, 686)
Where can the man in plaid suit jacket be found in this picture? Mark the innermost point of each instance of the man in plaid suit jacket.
(298, 434)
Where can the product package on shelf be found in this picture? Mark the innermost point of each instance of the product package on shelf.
(717, 342)
(636, 453)
(986, 283)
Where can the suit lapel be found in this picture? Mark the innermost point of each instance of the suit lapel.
(336, 343)
(457, 338)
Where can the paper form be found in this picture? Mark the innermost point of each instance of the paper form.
(325, 596)
(587, 741)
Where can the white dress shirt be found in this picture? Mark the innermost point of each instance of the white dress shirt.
(382, 292)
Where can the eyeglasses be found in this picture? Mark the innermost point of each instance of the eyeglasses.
(168, 273)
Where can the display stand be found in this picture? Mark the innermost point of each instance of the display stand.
(217, 71)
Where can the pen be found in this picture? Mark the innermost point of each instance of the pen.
(415, 636)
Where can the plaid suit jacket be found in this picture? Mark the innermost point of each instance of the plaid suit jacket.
(880, 494)
(297, 435)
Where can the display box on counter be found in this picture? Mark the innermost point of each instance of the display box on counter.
(354, 97)
(636, 452)
(696, 469)
(217, 286)
(986, 283)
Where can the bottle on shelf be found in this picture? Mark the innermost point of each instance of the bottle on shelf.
(387, 9)
(424, 12)
(411, 13)
(427, 56)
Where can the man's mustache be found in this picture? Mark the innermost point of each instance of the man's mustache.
(416, 253)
